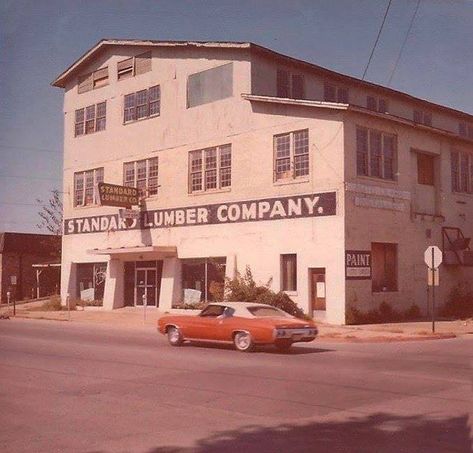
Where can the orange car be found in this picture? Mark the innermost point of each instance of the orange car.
(246, 324)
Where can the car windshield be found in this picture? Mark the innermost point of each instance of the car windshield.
(268, 311)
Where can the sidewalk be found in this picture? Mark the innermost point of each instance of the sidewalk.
(133, 318)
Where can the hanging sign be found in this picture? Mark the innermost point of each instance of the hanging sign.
(120, 196)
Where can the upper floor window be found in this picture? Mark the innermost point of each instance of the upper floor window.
(93, 80)
(425, 169)
(333, 93)
(133, 66)
(290, 85)
(85, 186)
(90, 119)
(291, 155)
(210, 168)
(142, 104)
(462, 171)
(376, 153)
(465, 130)
(422, 117)
(142, 174)
(376, 104)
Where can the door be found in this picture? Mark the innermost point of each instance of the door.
(146, 287)
(317, 289)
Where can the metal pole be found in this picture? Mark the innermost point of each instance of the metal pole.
(14, 306)
(145, 302)
(68, 302)
(428, 299)
(8, 299)
(433, 292)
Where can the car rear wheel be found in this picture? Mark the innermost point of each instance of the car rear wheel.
(283, 345)
(174, 336)
(243, 341)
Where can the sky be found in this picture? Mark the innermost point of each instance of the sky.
(39, 39)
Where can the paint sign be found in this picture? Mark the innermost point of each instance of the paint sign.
(358, 264)
(298, 206)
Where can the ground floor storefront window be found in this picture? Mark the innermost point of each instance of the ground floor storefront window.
(91, 280)
(206, 275)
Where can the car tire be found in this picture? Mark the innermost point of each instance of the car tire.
(283, 345)
(243, 341)
(174, 336)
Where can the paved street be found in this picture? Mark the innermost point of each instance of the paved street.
(68, 387)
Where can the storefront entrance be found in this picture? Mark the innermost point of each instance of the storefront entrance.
(143, 280)
(317, 289)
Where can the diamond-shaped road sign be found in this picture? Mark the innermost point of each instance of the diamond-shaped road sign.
(433, 257)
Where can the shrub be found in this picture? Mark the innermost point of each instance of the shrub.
(459, 303)
(52, 304)
(385, 313)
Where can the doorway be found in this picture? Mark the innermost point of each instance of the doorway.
(145, 287)
(142, 278)
(317, 292)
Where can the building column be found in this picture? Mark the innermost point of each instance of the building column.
(114, 285)
(68, 281)
(231, 266)
(171, 287)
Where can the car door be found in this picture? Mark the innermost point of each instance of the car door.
(204, 326)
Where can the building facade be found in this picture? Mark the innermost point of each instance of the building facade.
(330, 186)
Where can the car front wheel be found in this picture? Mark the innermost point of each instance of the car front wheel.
(174, 336)
(243, 341)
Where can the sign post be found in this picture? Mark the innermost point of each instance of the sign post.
(433, 258)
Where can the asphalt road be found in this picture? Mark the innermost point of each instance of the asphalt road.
(69, 387)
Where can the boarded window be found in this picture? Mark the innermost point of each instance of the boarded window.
(125, 68)
(210, 85)
(384, 267)
(96, 79)
(425, 169)
(85, 83)
(133, 66)
(143, 63)
(289, 272)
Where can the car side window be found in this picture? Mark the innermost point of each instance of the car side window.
(212, 311)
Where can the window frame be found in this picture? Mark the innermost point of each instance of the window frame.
(131, 109)
(150, 164)
(377, 103)
(88, 118)
(288, 272)
(208, 166)
(92, 78)
(81, 176)
(131, 70)
(291, 157)
(286, 83)
(337, 93)
(422, 117)
(461, 171)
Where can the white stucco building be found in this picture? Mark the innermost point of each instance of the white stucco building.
(331, 186)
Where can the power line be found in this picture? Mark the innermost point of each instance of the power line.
(29, 148)
(404, 43)
(14, 203)
(377, 39)
(31, 177)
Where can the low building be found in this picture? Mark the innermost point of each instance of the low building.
(330, 186)
(29, 265)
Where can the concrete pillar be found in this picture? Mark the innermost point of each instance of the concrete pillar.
(68, 281)
(171, 286)
(114, 285)
(231, 266)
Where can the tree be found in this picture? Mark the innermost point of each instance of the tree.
(51, 213)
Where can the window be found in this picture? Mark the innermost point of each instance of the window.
(136, 65)
(425, 169)
(289, 85)
(91, 275)
(210, 168)
(465, 130)
(376, 153)
(142, 174)
(93, 80)
(289, 272)
(91, 119)
(384, 267)
(422, 117)
(206, 275)
(333, 93)
(291, 155)
(85, 187)
(142, 104)
(376, 104)
(462, 171)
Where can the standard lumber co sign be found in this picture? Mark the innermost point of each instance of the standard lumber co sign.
(310, 205)
(120, 196)
(358, 264)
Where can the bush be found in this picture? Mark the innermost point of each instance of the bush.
(459, 303)
(385, 313)
(243, 288)
(53, 304)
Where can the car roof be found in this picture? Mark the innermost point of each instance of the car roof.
(241, 308)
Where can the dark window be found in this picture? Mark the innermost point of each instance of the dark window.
(212, 311)
(462, 171)
(422, 117)
(142, 104)
(384, 267)
(425, 169)
(206, 275)
(282, 83)
(376, 104)
(289, 272)
(91, 276)
(298, 91)
(334, 93)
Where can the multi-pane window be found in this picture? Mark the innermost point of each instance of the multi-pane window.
(384, 267)
(142, 174)
(90, 119)
(376, 153)
(425, 169)
(93, 80)
(210, 168)
(85, 186)
(291, 155)
(134, 66)
(290, 85)
(334, 93)
(376, 104)
(465, 130)
(142, 104)
(289, 272)
(462, 171)
(422, 117)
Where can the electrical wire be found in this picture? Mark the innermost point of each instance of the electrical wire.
(377, 39)
(404, 43)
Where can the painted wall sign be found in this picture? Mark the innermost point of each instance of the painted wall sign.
(297, 206)
(358, 264)
(119, 196)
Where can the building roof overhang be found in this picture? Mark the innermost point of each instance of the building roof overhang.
(159, 251)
